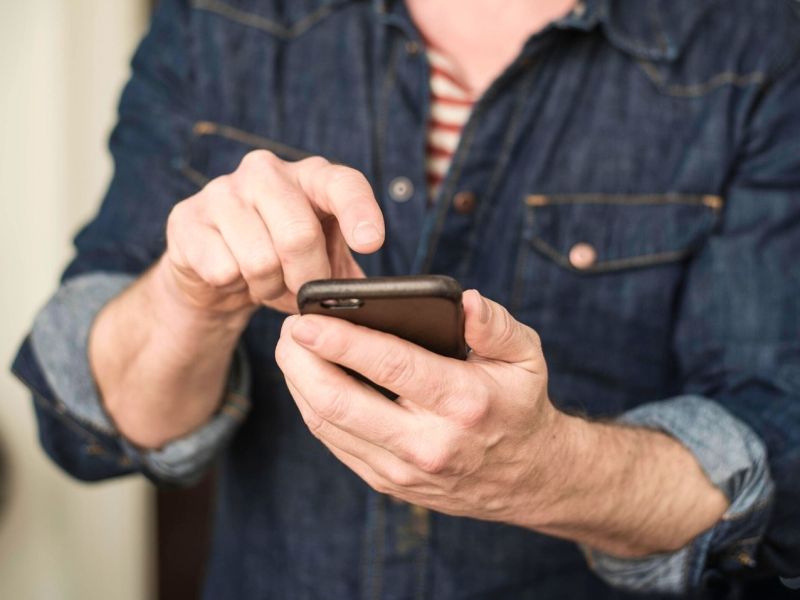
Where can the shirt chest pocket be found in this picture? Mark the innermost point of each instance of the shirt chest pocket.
(606, 233)
(612, 256)
(599, 277)
(216, 149)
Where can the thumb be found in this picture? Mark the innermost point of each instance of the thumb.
(493, 333)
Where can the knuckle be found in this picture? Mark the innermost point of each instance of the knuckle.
(473, 412)
(394, 369)
(314, 423)
(508, 328)
(535, 340)
(260, 262)
(260, 160)
(333, 406)
(345, 177)
(378, 485)
(313, 163)
(432, 462)
(220, 187)
(299, 238)
(400, 475)
(219, 274)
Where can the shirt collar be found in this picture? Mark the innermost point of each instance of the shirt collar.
(645, 29)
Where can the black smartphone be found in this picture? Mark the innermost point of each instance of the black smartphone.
(423, 309)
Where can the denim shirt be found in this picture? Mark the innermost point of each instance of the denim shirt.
(634, 185)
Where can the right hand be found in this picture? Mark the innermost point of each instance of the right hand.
(255, 236)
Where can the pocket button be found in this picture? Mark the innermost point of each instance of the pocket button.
(582, 255)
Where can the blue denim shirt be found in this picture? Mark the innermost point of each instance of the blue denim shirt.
(664, 134)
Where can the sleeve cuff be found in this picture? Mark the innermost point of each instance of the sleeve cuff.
(60, 341)
(735, 460)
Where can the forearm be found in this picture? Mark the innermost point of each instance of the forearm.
(626, 491)
(160, 365)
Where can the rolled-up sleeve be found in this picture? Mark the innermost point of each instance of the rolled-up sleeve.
(59, 341)
(737, 346)
(734, 459)
(123, 240)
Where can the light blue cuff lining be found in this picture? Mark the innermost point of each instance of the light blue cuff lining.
(735, 460)
(60, 339)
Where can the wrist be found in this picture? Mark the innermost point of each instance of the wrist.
(171, 306)
(568, 450)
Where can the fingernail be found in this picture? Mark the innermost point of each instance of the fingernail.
(366, 233)
(305, 331)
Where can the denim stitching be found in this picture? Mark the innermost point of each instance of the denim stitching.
(382, 110)
(644, 260)
(257, 142)
(207, 128)
(196, 177)
(497, 176)
(709, 200)
(694, 90)
(263, 23)
(523, 255)
(454, 173)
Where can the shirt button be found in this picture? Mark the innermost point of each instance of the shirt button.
(401, 189)
(582, 255)
(464, 202)
(580, 9)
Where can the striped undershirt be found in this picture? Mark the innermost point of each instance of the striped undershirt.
(451, 105)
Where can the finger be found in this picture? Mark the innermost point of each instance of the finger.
(343, 265)
(247, 237)
(201, 251)
(493, 333)
(427, 379)
(376, 466)
(341, 402)
(346, 194)
(294, 226)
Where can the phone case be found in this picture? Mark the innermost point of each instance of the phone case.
(423, 309)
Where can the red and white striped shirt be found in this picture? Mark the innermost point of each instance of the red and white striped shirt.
(451, 105)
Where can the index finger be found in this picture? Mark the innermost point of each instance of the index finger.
(346, 194)
(414, 373)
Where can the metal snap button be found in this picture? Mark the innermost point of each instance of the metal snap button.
(401, 189)
(582, 255)
(464, 202)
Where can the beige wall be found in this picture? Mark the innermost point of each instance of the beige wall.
(62, 64)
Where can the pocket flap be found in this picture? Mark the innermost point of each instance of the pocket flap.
(216, 149)
(605, 232)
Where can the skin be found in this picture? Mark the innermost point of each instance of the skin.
(477, 438)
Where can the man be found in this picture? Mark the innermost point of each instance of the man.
(621, 178)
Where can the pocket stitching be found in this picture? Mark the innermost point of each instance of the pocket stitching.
(265, 24)
(534, 201)
(256, 142)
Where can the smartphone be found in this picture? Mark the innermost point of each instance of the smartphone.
(423, 309)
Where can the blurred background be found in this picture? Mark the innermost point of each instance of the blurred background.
(63, 64)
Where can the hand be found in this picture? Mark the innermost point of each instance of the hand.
(255, 236)
(473, 438)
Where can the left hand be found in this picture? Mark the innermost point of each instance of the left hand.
(477, 438)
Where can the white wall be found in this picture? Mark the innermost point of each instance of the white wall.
(62, 64)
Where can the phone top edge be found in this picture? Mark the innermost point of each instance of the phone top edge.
(407, 286)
